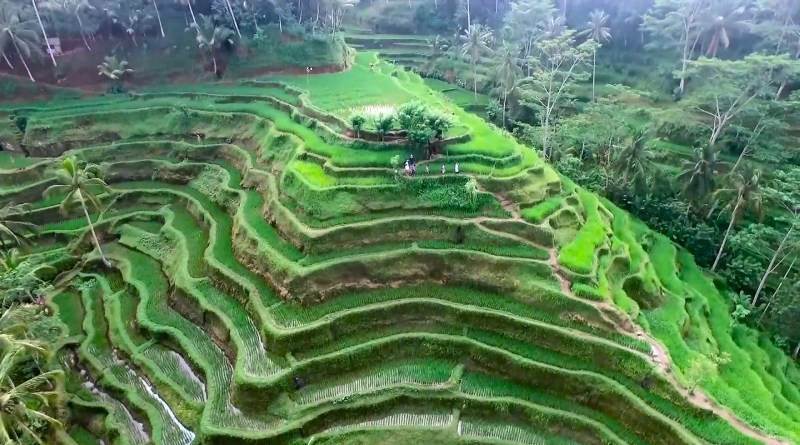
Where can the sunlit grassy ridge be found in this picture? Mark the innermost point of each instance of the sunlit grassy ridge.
(273, 280)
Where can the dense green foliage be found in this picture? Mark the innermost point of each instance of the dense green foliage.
(345, 252)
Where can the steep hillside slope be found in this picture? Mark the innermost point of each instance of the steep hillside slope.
(273, 280)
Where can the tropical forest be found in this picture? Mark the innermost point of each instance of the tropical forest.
(399, 222)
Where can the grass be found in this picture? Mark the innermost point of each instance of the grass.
(312, 294)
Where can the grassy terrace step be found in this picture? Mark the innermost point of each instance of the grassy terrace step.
(198, 255)
(253, 362)
(162, 363)
(118, 419)
(220, 254)
(220, 417)
(116, 373)
(691, 288)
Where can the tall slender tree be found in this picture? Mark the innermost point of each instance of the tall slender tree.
(474, 43)
(743, 194)
(80, 186)
(597, 30)
(676, 25)
(507, 73)
(44, 33)
(722, 21)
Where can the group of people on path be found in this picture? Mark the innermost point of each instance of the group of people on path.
(410, 167)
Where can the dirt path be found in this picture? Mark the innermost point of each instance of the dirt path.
(659, 355)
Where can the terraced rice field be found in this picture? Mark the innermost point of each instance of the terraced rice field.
(272, 281)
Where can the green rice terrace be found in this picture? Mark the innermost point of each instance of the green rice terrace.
(243, 261)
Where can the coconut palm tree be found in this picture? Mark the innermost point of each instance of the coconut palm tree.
(699, 174)
(12, 229)
(475, 42)
(44, 33)
(72, 7)
(19, 33)
(597, 30)
(743, 194)
(721, 23)
(507, 73)
(80, 186)
(211, 36)
(634, 163)
(114, 70)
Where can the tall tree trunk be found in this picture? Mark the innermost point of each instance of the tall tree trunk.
(796, 351)
(83, 34)
(8, 62)
(546, 135)
(44, 33)
(780, 90)
(734, 215)
(21, 57)
(158, 16)
(300, 11)
(469, 16)
(214, 61)
(191, 12)
(233, 17)
(594, 71)
(475, 79)
(91, 228)
(776, 291)
(505, 101)
(770, 267)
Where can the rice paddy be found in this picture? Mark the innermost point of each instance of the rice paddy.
(273, 280)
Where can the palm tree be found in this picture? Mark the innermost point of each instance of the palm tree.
(72, 7)
(44, 33)
(726, 19)
(475, 42)
(114, 70)
(210, 37)
(21, 34)
(438, 47)
(357, 121)
(12, 229)
(698, 175)
(507, 72)
(383, 125)
(78, 186)
(744, 194)
(597, 30)
(634, 163)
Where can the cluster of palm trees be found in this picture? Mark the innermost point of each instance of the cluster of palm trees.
(510, 56)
